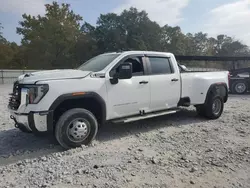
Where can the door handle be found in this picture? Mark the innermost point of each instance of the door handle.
(175, 80)
(143, 82)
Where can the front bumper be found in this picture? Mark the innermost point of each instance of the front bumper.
(37, 122)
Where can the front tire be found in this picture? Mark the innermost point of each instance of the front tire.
(76, 127)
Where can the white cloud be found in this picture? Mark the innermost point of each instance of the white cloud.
(18, 7)
(232, 19)
(161, 11)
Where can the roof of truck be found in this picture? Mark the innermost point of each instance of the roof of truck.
(140, 52)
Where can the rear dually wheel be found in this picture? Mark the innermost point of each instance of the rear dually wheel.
(213, 108)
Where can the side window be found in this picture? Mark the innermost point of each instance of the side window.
(137, 66)
(160, 65)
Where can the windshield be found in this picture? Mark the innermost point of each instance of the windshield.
(98, 63)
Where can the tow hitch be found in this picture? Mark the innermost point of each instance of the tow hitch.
(20, 125)
(16, 123)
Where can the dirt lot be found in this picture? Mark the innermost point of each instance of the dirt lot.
(180, 150)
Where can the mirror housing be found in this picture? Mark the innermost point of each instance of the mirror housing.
(125, 71)
(184, 68)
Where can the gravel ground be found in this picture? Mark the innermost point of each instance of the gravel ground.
(180, 150)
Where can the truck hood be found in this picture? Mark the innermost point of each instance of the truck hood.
(57, 74)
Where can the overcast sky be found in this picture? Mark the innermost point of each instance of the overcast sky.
(231, 17)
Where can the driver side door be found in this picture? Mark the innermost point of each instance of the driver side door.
(129, 96)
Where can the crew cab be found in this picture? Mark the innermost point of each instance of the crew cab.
(118, 87)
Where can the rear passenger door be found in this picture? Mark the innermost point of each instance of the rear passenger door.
(164, 81)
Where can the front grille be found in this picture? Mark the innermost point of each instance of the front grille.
(15, 97)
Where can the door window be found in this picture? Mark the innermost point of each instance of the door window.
(137, 66)
(160, 65)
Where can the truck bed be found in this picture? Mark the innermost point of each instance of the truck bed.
(195, 84)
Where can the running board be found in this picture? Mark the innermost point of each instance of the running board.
(141, 117)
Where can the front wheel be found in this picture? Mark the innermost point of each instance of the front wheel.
(76, 127)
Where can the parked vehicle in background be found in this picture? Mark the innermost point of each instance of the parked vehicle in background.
(118, 87)
(239, 82)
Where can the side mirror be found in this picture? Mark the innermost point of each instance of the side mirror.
(184, 68)
(125, 71)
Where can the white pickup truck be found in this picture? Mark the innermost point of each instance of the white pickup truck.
(119, 87)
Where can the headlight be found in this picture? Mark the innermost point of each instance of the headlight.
(36, 93)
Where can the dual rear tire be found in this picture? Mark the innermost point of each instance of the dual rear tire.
(213, 108)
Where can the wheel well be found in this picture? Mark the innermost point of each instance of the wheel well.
(218, 89)
(91, 104)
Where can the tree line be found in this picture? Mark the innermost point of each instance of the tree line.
(59, 40)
